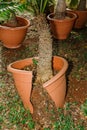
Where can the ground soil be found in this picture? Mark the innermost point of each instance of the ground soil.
(74, 49)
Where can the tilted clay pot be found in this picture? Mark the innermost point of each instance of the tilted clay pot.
(12, 37)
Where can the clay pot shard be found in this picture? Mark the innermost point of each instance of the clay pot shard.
(23, 80)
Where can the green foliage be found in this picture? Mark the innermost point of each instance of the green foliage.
(84, 108)
(34, 6)
(46, 128)
(7, 8)
(39, 6)
(35, 61)
(72, 3)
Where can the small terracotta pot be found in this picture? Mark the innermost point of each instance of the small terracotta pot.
(13, 37)
(81, 19)
(62, 28)
(56, 87)
(23, 80)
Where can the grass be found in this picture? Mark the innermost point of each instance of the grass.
(84, 108)
(65, 121)
(12, 112)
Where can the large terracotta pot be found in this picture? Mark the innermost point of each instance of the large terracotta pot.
(56, 87)
(13, 37)
(62, 28)
(81, 19)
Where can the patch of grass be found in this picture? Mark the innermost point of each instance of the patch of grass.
(84, 108)
(46, 128)
(20, 117)
(65, 122)
(2, 84)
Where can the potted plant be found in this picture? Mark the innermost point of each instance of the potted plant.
(13, 28)
(61, 21)
(46, 62)
(78, 7)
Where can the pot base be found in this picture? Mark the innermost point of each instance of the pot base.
(11, 47)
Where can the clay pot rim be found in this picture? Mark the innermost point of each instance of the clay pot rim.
(17, 28)
(75, 10)
(59, 74)
(59, 20)
(15, 70)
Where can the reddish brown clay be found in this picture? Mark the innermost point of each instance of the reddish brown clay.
(62, 28)
(81, 19)
(56, 87)
(23, 80)
(13, 37)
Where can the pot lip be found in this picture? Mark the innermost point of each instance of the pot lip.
(59, 74)
(75, 10)
(59, 20)
(64, 68)
(17, 28)
(15, 70)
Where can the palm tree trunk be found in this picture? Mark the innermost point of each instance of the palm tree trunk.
(44, 69)
(12, 21)
(82, 5)
(40, 98)
(60, 9)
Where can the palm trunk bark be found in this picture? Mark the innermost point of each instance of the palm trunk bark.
(60, 9)
(12, 22)
(44, 68)
(44, 73)
(82, 5)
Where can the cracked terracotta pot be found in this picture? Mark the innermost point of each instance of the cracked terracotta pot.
(23, 80)
(12, 37)
(56, 86)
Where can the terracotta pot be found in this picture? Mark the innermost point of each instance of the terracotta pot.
(13, 37)
(56, 87)
(23, 80)
(81, 19)
(62, 28)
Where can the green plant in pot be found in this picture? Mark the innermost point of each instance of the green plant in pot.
(78, 7)
(12, 28)
(50, 89)
(63, 21)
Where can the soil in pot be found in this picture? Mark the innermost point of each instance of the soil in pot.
(33, 68)
(13, 22)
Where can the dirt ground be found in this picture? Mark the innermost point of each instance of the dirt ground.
(74, 49)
